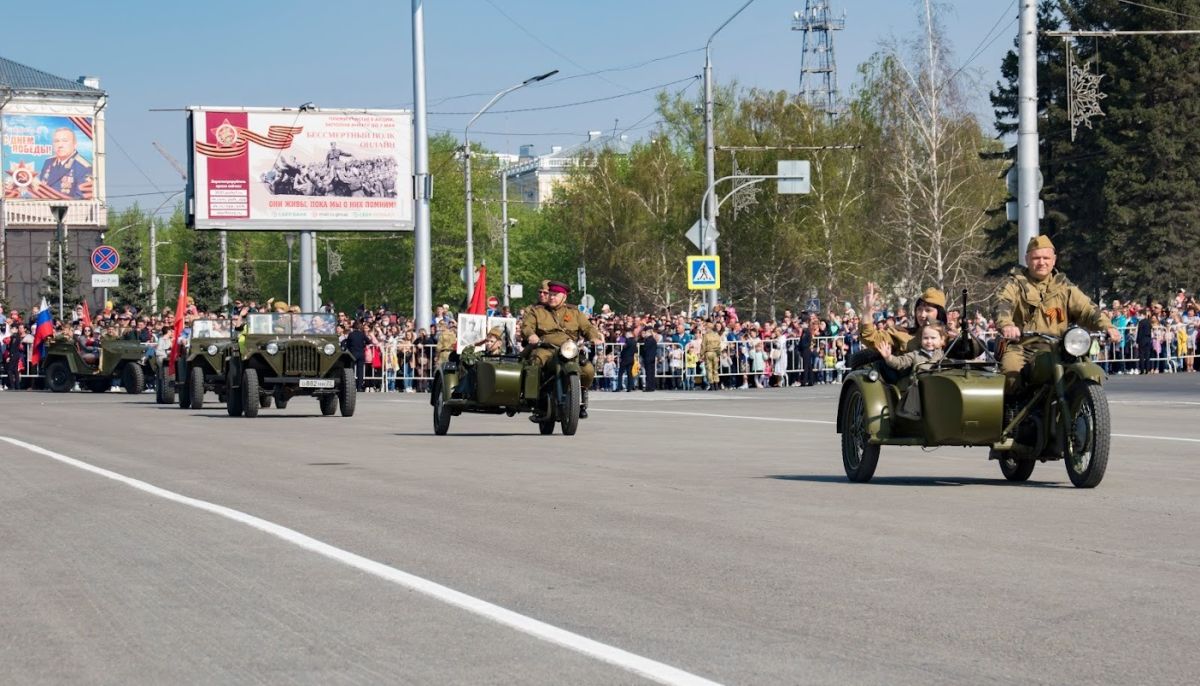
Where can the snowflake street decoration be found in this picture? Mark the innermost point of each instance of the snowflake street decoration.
(333, 262)
(1083, 91)
(746, 196)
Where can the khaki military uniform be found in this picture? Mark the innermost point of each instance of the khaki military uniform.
(900, 339)
(447, 342)
(710, 348)
(557, 326)
(1049, 306)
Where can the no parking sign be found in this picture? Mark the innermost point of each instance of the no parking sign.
(105, 259)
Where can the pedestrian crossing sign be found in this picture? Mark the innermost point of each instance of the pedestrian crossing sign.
(704, 272)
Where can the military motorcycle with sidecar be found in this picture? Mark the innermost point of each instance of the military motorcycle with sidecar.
(1061, 413)
(510, 384)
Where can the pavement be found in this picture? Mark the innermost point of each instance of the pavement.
(678, 538)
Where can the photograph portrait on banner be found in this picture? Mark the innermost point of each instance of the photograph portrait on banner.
(48, 157)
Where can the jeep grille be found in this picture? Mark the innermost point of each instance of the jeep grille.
(301, 360)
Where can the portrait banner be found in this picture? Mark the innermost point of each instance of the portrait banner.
(340, 170)
(48, 157)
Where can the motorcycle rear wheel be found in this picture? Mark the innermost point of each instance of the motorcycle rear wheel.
(859, 457)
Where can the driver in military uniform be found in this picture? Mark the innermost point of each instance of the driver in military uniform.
(67, 172)
(556, 322)
(1039, 299)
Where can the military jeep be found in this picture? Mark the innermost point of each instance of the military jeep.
(201, 367)
(66, 362)
(283, 355)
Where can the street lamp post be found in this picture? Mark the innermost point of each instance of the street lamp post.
(470, 270)
(60, 233)
(291, 241)
(709, 148)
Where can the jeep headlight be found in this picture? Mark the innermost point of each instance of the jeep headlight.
(211, 349)
(329, 349)
(569, 350)
(272, 348)
(1077, 342)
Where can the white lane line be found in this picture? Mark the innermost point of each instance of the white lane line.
(651, 669)
(719, 416)
(1160, 438)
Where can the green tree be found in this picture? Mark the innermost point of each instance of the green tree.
(204, 270)
(133, 288)
(247, 287)
(70, 277)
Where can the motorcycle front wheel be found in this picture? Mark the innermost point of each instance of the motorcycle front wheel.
(1090, 432)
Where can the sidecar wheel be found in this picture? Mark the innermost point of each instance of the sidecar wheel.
(1016, 469)
(1091, 433)
(546, 427)
(859, 457)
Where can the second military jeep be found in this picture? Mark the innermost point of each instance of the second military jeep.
(284, 355)
(66, 362)
(201, 367)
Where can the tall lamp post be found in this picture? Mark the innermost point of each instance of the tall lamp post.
(60, 233)
(709, 164)
(470, 270)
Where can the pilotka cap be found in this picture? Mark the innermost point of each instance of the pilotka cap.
(1039, 242)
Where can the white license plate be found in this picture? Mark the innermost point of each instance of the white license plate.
(316, 383)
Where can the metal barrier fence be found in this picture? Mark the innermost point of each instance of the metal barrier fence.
(750, 363)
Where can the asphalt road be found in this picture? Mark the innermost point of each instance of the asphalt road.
(711, 534)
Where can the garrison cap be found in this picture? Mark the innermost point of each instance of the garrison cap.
(496, 331)
(1038, 242)
(933, 296)
(545, 284)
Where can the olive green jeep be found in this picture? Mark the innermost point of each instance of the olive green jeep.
(281, 356)
(66, 362)
(201, 367)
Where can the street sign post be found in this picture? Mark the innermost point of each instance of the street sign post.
(493, 302)
(794, 177)
(105, 280)
(704, 272)
(710, 236)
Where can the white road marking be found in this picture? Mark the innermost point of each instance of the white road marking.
(651, 669)
(719, 416)
(1160, 438)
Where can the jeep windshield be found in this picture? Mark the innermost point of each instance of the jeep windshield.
(284, 324)
(210, 328)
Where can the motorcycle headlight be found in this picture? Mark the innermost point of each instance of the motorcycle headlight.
(1077, 342)
(211, 349)
(272, 348)
(329, 349)
(569, 350)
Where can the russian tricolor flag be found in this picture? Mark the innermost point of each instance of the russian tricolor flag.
(43, 328)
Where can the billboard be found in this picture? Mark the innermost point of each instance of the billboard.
(263, 169)
(48, 157)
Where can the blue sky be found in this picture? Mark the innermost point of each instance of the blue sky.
(154, 54)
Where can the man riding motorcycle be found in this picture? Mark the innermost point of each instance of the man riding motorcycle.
(1038, 299)
(556, 322)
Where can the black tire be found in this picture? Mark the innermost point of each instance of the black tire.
(159, 389)
(196, 388)
(59, 378)
(859, 457)
(133, 379)
(329, 404)
(250, 393)
(1016, 469)
(441, 413)
(547, 427)
(570, 414)
(167, 383)
(185, 387)
(233, 398)
(348, 394)
(281, 404)
(1091, 433)
(265, 400)
(862, 358)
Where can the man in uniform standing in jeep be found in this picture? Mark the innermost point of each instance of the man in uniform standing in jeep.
(556, 322)
(1039, 299)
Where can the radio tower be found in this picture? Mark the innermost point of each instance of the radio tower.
(818, 68)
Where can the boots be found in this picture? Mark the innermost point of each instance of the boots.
(583, 402)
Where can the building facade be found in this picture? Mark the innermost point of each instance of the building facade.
(533, 178)
(51, 153)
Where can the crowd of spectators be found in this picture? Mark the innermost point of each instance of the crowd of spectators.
(649, 350)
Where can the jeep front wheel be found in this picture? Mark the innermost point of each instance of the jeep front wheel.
(250, 393)
(348, 393)
(133, 378)
(59, 377)
(196, 388)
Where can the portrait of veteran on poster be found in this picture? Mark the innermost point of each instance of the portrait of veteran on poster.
(48, 157)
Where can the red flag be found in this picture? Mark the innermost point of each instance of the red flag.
(479, 297)
(87, 314)
(180, 309)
